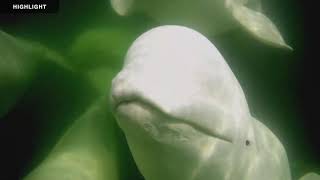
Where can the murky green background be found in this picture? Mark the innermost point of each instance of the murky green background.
(89, 35)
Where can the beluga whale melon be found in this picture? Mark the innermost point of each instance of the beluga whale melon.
(185, 116)
(211, 17)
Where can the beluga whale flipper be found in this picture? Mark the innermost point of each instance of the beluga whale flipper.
(185, 116)
(210, 17)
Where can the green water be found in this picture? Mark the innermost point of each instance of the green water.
(89, 41)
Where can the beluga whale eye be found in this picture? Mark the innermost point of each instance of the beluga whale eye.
(247, 142)
(177, 100)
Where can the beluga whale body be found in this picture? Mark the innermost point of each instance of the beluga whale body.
(185, 116)
(211, 17)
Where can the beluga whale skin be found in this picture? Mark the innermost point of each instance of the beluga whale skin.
(185, 116)
(211, 17)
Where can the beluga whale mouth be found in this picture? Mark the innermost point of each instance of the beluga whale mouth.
(177, 100)
(135, 109)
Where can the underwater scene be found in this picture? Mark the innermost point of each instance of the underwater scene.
(158, 90)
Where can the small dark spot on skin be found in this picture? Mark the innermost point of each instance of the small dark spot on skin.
(247, 142)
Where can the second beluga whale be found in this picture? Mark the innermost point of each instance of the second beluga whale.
(211, 17)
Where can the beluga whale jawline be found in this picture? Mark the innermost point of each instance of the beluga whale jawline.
(185, 116)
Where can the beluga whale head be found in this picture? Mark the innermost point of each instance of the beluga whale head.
(181, 108)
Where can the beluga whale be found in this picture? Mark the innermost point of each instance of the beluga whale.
(211, 17)
(185, 115)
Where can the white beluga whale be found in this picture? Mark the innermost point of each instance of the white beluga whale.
(211, 17)
(185, 116)
(310, 176)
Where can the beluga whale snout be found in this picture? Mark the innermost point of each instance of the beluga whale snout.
(184, 113)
